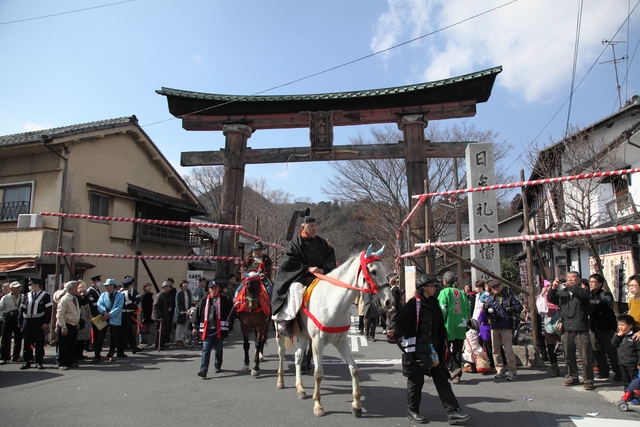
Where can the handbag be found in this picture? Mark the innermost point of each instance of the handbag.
(11, 317)
(559, 327)
(541, 305)
(550, 323)
(558, 349)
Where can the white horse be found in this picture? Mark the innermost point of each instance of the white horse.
(327, 320)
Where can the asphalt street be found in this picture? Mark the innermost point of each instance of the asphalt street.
(162, 389)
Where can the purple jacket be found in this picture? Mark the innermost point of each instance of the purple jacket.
(485, 328)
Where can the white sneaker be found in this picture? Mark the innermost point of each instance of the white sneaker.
(500, 374)
(511, 377)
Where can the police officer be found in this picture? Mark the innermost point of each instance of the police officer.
(35, 314)
(131, 304)
(421, 323)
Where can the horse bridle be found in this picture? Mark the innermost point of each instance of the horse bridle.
(373, 288)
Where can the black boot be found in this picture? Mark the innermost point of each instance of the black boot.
(416, 417)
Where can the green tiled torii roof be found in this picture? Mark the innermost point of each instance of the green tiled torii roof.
(470, 87)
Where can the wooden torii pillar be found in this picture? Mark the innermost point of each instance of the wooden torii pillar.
(410, 107)
(236, 136)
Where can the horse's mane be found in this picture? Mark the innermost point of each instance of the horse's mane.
(345, 266)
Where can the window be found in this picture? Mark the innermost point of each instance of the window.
(99, 205)
(16, 200)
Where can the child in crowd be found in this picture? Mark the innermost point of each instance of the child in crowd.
(628, 353)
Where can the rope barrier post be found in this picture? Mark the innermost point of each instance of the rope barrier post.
(532, 287)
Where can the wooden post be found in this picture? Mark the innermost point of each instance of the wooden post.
(232, 185)
(532, 288)
(456, 184)
(136, 263)
(412, 127)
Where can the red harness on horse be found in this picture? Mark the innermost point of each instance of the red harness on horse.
(264, 306)
(373, 288)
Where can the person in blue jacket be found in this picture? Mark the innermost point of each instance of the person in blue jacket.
(110, 306)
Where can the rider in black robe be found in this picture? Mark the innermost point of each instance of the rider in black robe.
(307, 253)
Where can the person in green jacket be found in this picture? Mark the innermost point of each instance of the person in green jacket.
(455, 309)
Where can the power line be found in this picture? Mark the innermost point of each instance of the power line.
(575, 62)
(519, 157)
(65, 13)
(344, 64)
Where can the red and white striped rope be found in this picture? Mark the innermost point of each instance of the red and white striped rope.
(145, 221)
(156, 257)
(527, 238)
(530, 183)
(256, 238)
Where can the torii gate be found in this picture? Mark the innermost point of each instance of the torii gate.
(411, 107)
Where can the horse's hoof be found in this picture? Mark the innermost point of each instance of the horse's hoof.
(318, 412)
(356, 412)
(302, 395)
(255, 373)
(261, 358)
(245, 369)
(280, 385)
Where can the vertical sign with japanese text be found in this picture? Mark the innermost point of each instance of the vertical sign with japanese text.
(483, 209)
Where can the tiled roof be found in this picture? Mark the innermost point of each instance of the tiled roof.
(35, 136)
(475, 86)
(335, 95)
(163, 199)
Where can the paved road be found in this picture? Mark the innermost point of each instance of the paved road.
(162, 389)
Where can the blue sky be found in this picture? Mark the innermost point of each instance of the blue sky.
(107, 62)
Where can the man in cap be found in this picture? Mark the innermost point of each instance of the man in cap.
(257, 260)
(212, 315)
(501, 307)
(421, 323)
(308, 253)
(67, 325)
(110, 306)
(161, 314)
(131, 303)
(35, 314)
(455, 309)
(9, 310)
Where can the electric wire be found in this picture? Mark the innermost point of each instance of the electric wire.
(519, 157)
(65, 13)
(362, 58)
(575, 62)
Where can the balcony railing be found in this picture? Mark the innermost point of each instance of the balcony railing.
(167, 234)
(9, 211)
(621, 207)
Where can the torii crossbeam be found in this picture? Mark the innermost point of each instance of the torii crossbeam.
(411, 107)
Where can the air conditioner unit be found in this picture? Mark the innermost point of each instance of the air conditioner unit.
(29, 221)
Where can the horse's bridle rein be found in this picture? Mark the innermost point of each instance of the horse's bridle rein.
(373, 289)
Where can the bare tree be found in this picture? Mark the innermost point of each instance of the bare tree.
(206, 184)
(379, 187)
(573, 205)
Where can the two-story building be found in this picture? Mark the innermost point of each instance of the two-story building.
(608, 144)
(107, 168)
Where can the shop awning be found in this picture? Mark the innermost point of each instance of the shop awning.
(10, 266)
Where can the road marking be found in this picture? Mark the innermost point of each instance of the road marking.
(354, 342)
(598, 422)
(337, 361)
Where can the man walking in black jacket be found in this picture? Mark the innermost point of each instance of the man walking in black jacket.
(602, 324)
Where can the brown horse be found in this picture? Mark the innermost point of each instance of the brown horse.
(251, 304)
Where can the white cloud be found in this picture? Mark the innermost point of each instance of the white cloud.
(532, 40)
(29, 126)
(197, 58)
